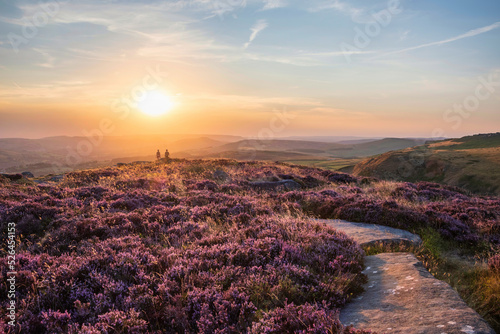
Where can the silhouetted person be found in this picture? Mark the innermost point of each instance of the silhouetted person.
(158, 155)
(167, 154)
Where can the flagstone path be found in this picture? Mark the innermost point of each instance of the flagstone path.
(401, 296)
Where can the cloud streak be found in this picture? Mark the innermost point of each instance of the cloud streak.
(256, 30)
(468, 34)
(339, 53)
(345, 8)
(273, 4)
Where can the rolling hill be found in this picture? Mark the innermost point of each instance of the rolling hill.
(471, 162)
(288, 149)
(63, 154)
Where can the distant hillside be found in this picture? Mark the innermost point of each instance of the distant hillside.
(328, 139)
(343, 139)
(471, 162)
(298, 146)
(195, 144)
(382, 146)
(245, 155)
(60, 154)
(290, 148)
(57, 154)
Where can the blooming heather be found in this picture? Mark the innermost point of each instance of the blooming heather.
(171, 248)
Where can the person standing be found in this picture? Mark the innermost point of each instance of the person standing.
(167, 155)
(158, 155)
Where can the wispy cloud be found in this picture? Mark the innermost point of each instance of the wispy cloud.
(49, 60)
(9, 9)
(404, 35)
(272, 4)
(258, 102)
(302, 61)
(468, 34)
(326, 110)
(256, 30)
(339, 53)
(342, 7)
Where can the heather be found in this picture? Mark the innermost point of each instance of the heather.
(170, 249)
(194, 247)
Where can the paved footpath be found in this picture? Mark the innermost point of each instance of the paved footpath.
(401, 296)
(370, 234)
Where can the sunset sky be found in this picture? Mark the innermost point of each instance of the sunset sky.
(334, 67)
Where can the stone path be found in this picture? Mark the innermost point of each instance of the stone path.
(370, 234)
(401, 296)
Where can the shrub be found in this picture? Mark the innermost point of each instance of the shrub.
(494, 263)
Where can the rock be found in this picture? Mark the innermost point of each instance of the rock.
(372, 234)
(220, 175)
(330, 193)
(289, 184)
(339, 177)
(13, 177)
(57, 178)
(28, 175)
(121, 164)
(368, 180)
(311, 182)
(403, 297)
(270, 186)
(286, 176)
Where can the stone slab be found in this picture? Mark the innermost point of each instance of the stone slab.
(403, 297)
(370, 234)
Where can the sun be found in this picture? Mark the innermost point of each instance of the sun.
(155, 103)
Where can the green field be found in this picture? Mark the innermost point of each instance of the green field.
(331, 164)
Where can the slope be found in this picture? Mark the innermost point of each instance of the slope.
(471, 162)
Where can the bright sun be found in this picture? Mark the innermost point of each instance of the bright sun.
(155, 103)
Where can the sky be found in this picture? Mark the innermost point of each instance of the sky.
(257, 68)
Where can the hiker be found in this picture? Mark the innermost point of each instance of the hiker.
(158, 155)
(167, 154)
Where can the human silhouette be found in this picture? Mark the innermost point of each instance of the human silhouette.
(167, 154)
(158, 155)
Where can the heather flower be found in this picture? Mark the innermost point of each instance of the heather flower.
(494, 263)
(304, 319)
(162, 248)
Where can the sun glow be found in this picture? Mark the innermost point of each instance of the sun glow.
(155, 103)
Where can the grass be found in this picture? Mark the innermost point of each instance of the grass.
(475, 169)
(465, 269)
(477, 185)
(335, 164)
(479, 141)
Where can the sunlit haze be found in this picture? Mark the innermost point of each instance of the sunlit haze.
(324, 68)
(154, 103)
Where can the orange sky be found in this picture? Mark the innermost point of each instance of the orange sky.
(230, 72)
